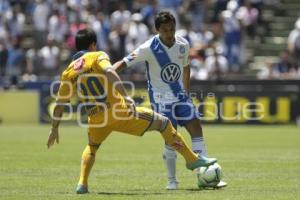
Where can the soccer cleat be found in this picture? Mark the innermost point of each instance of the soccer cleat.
(201, 162)
(172, 185)
(81, 189)
(221, 184)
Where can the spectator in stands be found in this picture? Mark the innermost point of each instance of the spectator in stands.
(40, 22)
(216, 64)
(171, 6)
(73, 29)
(58, 26)
(29, 76)
(33, 61)
(4, 30)
(198, 70)
(294, 42)
(121, 17)
(77, 5)
(120, 20)
(193, 11)
(117, 43)
(284, 68)
(219, 6)
(4, 37)
(101, 27)
(266, 71)
(3, 58)
(232, 35)
(16, 21)
(137, 34)
(15, 61)
(49, 58)
(198, 40)
(148, 12)
(4, 7)
(61, 6)
(248, 16)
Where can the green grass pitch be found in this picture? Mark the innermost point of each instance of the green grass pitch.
(259, 162)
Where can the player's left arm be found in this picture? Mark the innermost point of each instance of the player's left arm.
(186, 78)
(186, 69)
(54, 135)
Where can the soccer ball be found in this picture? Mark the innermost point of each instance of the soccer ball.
(209, 176)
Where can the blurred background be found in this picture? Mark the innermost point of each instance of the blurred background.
(243, 49)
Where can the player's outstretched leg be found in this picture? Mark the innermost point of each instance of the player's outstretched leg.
(87, 161)
(174, 139)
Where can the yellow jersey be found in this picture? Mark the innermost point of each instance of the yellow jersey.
(86, 77)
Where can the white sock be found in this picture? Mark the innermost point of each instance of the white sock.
(198, 146)
(170, 156)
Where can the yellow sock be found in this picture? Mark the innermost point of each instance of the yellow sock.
(174, 139)
(87, 161)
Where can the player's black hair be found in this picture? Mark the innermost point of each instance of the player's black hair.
(84, 38)
(163, 17)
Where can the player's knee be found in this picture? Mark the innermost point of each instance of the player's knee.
(159, 123)
(164, 122)
(93, 148)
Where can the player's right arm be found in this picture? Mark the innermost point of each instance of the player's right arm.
(137, 56)
(64, 95)
(186, 68)
(119, 66)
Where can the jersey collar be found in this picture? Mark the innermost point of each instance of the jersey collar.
(166, 47)
(78, 54)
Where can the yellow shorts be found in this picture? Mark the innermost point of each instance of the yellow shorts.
(120, 121)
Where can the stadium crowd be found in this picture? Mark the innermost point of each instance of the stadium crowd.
(37, 36)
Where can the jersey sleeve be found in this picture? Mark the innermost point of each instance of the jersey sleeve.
(138, 55)
(103, 61)
(65, 91)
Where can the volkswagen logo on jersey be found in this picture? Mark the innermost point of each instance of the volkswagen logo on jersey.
(170, 73)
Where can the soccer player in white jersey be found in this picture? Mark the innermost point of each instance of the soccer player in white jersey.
(166, 57)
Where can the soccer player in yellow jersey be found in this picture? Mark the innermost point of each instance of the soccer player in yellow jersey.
(91, 76)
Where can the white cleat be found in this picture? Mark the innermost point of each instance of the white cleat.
(172, 185)
(221, 184)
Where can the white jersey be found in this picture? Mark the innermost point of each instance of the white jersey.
(164, 68)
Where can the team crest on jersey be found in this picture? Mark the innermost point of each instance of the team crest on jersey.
(170, 73)
(181, 49)
(78, 65)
